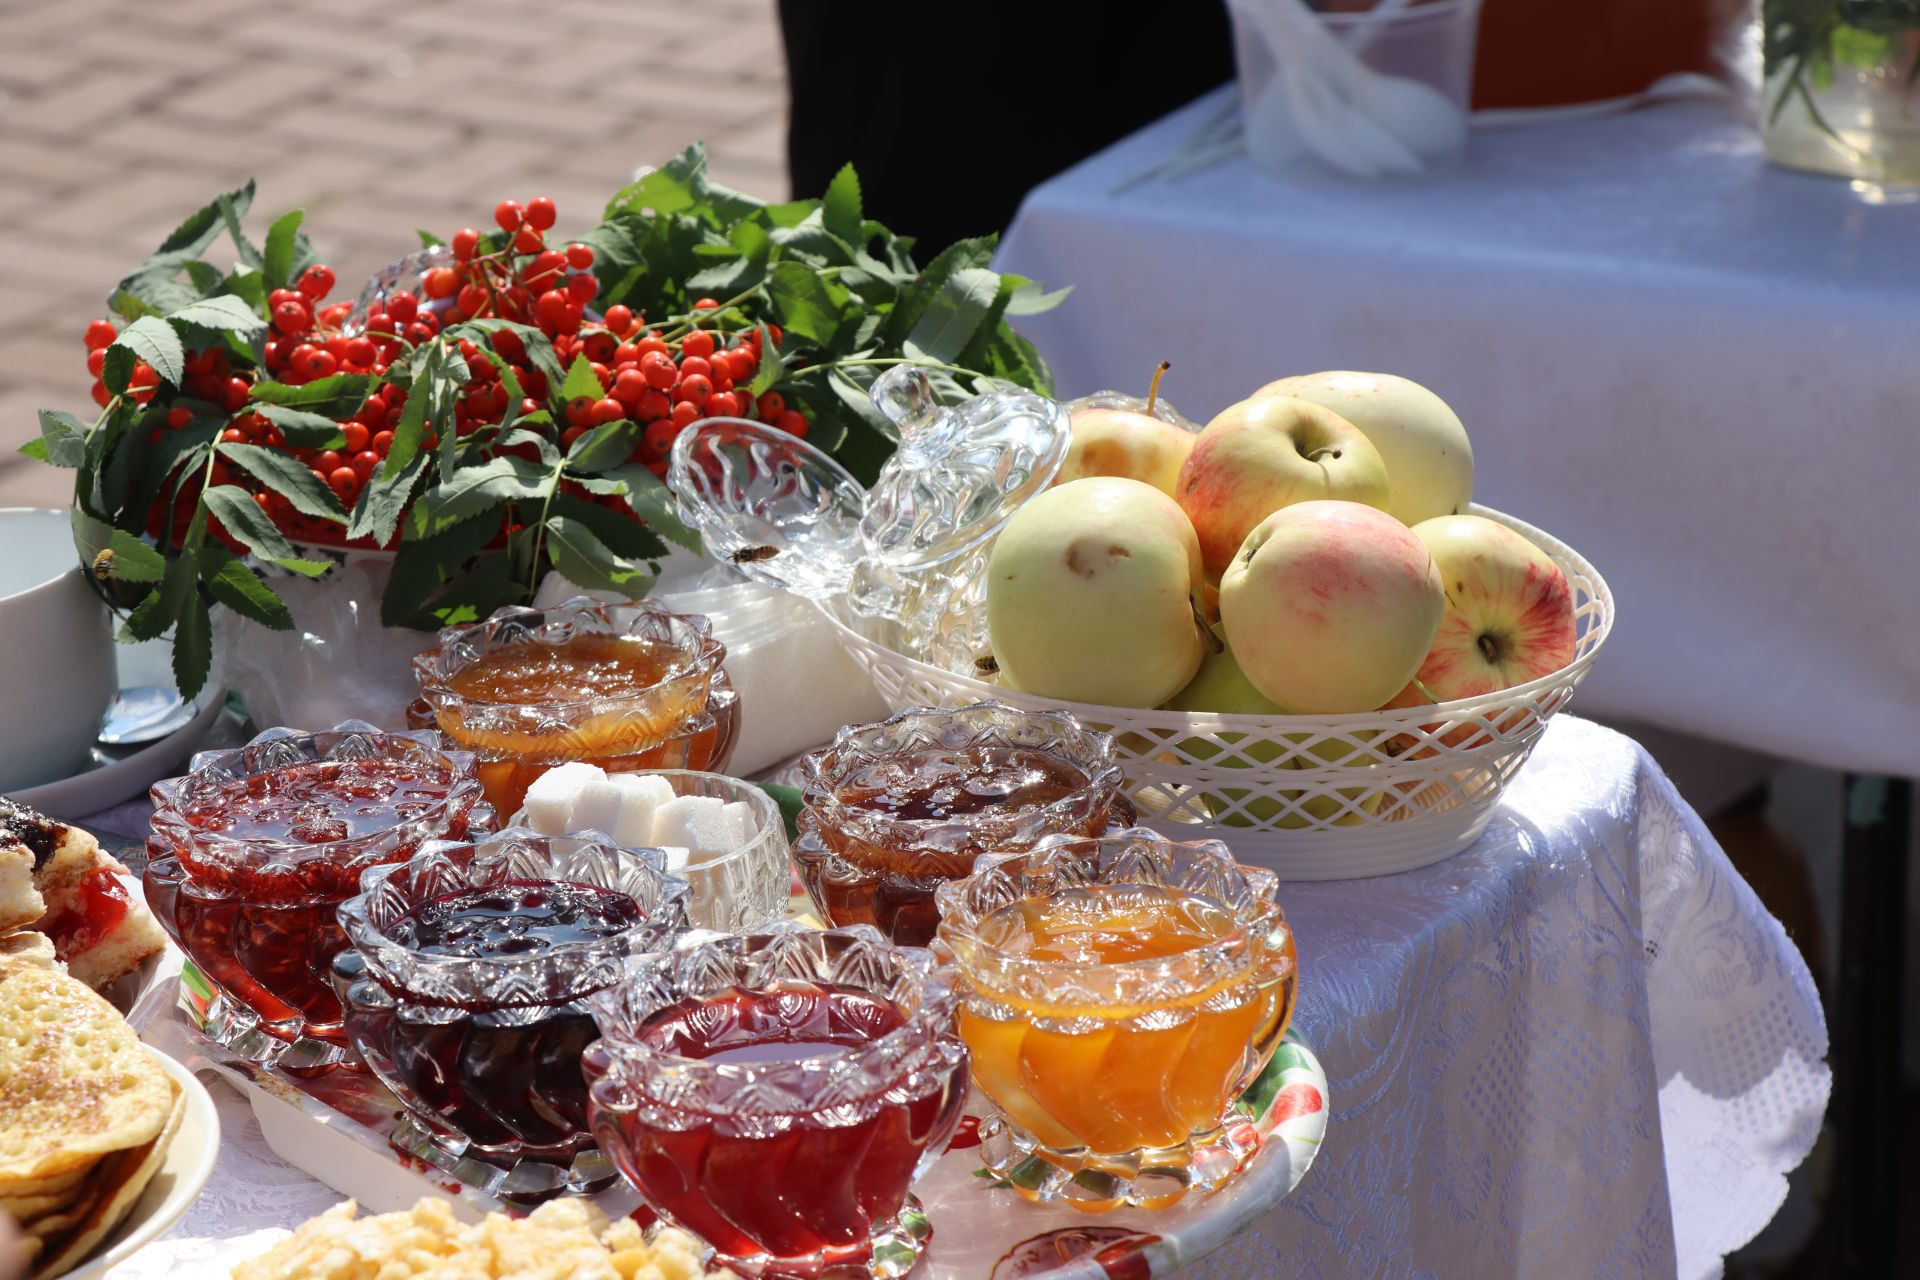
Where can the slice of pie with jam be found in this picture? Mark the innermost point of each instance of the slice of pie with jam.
(98, 928)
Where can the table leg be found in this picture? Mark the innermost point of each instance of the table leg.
(1866, 1013)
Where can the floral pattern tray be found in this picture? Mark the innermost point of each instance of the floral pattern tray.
(339, 1127)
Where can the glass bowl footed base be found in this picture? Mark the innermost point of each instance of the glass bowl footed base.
(1143, 1179)
(892, 1251)
(523, 1181)
(289, 1047)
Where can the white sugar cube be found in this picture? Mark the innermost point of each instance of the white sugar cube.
(548, 808)
(597, 806)
(740, 814)
(701, 823)
(641, 795)
(676, 857)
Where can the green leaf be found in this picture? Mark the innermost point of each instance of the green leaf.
(915, 298)
(1030, 299)
(303, 430)
(772, 367)
(151, 339)
(276, 265)
(672, 187)
(648, 498)
(581, 383)
(469, 491)
(162, 606)
(954, 315)
(476, 593)
(338, 397)
(192, 646)
(422, 566)
(802, 304)
(134, 560)
(288, 477)
(624, 535)
(840, 207)
(1862, 50)
(63, 438)
(411, 429)
(428, 240)
(36, 449)
(235, 508)
(604, 447)
(586, 560)
(377, 513)
(790, 802)
(230, 215)
(224, 313)
(200, 230)
(238, 588)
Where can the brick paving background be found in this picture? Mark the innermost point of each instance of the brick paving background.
(120, 117)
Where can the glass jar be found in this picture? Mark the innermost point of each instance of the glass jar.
(897, 808)
(1117, 994)
(627, 687)
(465, 993)
(777, 1093)
(253, 849)
(1842, 89)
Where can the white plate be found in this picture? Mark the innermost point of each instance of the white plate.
(112, 780)
(182, 1173)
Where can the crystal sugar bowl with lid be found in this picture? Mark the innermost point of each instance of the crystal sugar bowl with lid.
(895, 809)
(627, 687)
(251, 851)
(1117, 994)
(778, 1092)
(465, 994)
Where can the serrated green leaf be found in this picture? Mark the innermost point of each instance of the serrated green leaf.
(428, 240)
(672, 187)
(604, 447)
(188, 444)
(519, 436)
(377, 512)
(276, 264)
(224, 313)
(802, 303)
(772, 367)
(338, 397)
(581, 382)
(584, 559)
(203, 227)
(475, 594)
(303, 430)
(954, 315)
(134, 560)
(192, 646)
(625, 536)
(238, 588)
(840, 207)
(649, 499)
(423, 566)
(64, 438)
(161, 607)
(230, 215)
(235, 508)
(469, 491)
(150, 339)
(1030, 299)
(411, 429)
(288, 477)
(36, 449)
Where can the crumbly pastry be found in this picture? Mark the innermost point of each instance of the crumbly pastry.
(562, 1240)
(75, 895)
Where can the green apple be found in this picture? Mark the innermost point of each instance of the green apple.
(1428, 457)
(1091, 592)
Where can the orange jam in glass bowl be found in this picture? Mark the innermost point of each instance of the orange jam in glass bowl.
(627, 687)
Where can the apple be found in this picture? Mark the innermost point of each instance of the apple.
(1508, 617)
(1091, 595)
(1429, 459)
(1264, 454)
(1331, 606)
(1220, 685)
(1111, 440)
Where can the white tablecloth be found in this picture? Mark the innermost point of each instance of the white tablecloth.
(1698, 370)
(1579, 1048)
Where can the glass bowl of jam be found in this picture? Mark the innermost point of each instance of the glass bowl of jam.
(252, 850)
(1117, 994)
(465, 994)
(778, 1092)
(895, 809)
(628, 687)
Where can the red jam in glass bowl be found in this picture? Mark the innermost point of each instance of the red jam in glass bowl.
(465, 994)
(778, 1093)
(895, 809)
(627, 687)
(251, 852)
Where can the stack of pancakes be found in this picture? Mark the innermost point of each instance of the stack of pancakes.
(86, 1110)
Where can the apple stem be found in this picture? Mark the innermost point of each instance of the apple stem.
(1318, 454)
(1214, 643)
(1153, 388)
(1428, 693)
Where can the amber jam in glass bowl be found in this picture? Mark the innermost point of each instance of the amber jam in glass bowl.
(252, 850)
(627, 687)
(465, 994)
(895, 809)
(1117, 994)
(778, 1092)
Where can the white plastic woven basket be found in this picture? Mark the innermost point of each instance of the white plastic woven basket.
(1312, 797)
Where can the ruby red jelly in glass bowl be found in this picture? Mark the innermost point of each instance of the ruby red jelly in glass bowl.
(627, 687)
(778, 1092)
(897, 808)
(253, 849)
(465, 994)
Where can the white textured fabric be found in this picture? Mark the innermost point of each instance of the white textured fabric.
(1696, 369)
(1579, 1048)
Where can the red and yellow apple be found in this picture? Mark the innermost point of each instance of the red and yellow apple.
(1428, 457)
(1111, 438)
(1091, 592)
(1331, 606)
(1264, 454)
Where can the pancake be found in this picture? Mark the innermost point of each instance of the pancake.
(111, 1198)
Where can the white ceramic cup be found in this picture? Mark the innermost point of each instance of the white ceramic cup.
(57, 671)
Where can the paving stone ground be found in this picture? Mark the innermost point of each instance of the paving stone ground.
(120, 117)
